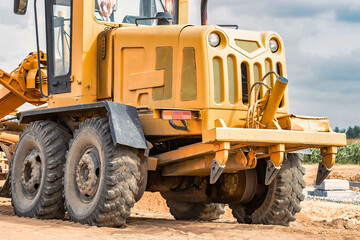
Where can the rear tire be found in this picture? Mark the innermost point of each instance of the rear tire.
(196, 211)
(37, 171)
(101, 179)
(281, 201)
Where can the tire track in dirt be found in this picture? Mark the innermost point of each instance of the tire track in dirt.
(147, 224)
(150, 219)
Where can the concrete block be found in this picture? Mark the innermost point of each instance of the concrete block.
(341, 195)
(308, 191)
(319, 193)
(333, 184)
(336, 195)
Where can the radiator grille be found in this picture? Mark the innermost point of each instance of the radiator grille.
(239, 77)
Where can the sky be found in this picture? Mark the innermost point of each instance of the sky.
(322, 44)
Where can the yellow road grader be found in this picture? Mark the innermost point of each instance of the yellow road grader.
(139, 100)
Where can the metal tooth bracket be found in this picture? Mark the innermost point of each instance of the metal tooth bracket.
(322, 173)
(216, 171)
(271, 172)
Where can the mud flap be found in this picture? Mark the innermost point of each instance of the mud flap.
(125, 125)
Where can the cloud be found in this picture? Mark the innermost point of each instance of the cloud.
(348, 15)
(19, 39)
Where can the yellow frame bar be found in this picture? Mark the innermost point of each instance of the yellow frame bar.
(263, 137)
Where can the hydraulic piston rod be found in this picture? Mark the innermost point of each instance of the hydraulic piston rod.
(272, 105)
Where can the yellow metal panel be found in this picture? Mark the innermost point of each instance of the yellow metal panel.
(31, 78)
(105, 65)
(164, 60)
(133, 60)
(249, 46)
(188, 75)
(8, 101)
(268, 68)
(193, 167)
(201, 166)
(218, 80)
(259, 56)
(257, 78)
(143, 99)
(231, 118)
(233, 79)
(149, 38)
(183, 11)
(195, 37)
(146, 80)
(159, 127)
(302, 123)
(184, 152)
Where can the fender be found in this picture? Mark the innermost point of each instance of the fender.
(125, 125)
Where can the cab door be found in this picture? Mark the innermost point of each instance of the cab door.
(59, 44)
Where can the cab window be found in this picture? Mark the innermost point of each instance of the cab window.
(127, 11)
(59, 40)
(62, 36)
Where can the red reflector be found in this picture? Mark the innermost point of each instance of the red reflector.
(176, 115)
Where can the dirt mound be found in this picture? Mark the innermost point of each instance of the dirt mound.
(351, 178)
(152, 202)
(345, 172)
(355, 178)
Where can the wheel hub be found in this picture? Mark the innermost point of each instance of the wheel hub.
(87, 174)
(31, 174)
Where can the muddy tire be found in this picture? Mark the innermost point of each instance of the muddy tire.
(281, 201)
(196, 211)
(37, 171)
(101, 179)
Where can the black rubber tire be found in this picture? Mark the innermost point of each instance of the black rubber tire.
(196, 211)
(282, 199)
(50, 141)
(118, 177)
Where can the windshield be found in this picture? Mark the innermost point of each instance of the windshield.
(126, 11)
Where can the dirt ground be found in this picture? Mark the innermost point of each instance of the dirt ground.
(150, 219)
(347, 172)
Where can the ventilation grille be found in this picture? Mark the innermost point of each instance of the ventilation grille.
(239, 77)
(249, 46)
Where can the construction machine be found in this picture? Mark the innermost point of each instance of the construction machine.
(139, 100)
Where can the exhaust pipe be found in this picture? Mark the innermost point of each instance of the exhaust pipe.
(204, 18)
(273, 103)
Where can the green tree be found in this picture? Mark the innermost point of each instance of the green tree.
(357, 131)
(350, 133)
(349, 154)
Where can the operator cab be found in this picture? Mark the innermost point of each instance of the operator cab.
(126, 12)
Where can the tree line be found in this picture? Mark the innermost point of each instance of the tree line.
(349, 154)
(351, 132)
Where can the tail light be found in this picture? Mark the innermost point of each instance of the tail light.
(176, 115)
